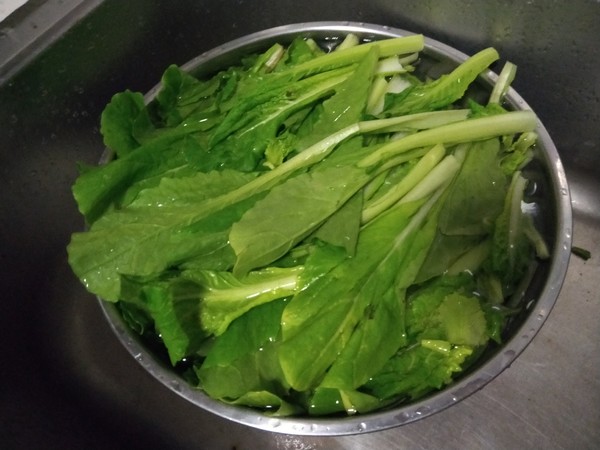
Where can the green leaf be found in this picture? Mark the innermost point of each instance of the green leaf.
(383, 324)
(329, 401)
(381, 328)
(225, 297)
(273, 405)
(347, 105)
(181, 95)
(246, 335)
(446, 310)
(321, 259)
(266, 107)
(125, 122)
(104, 187)
(462, 320)
(444, 252)
(444, 90)
(190, 190)
(416, 371)
(511, 249)
(491, 109)
(323, 315)
(144, 241)
(289, 212)
(299, 51)
(242, 359)
(423, 303)
(472, 205)
(343, 226)
(519, 153)
(476, 197)
(174, 306)
(135, 317)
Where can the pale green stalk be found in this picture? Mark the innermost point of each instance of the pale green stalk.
(437, 177)
(417, 173)
(416, 121)
(351, 55)
(471, 260)
(506, 77)
(454, 133)
(351, 40)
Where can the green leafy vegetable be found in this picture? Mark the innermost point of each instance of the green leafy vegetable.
(125, 122)
(314, 232)
(224, 298)
(445, 90)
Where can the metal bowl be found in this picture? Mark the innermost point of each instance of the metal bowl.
(553, 216)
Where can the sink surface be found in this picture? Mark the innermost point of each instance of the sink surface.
(66, 380)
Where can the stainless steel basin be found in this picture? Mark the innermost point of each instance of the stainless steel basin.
(66, 380)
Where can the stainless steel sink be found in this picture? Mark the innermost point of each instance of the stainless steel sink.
(66, 380)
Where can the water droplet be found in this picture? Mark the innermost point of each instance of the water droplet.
(275, 423)
(423, 410)
(530, 303)
(531, 188)
(509, 354)
(404, 417)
